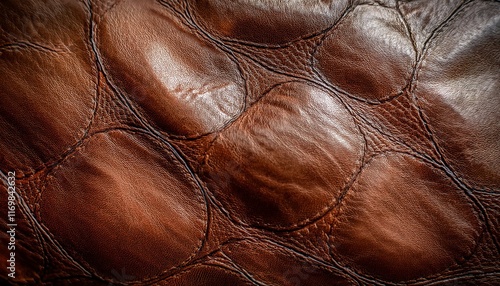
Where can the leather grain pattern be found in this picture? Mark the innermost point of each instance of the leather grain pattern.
(251, 142)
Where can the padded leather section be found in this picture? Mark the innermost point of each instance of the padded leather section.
(206, 94)
(266, 22)
(357, 64)
(385, 205)
(459, 91)
(54, 108)
(251, 142)
(274, 193)
(165, 214)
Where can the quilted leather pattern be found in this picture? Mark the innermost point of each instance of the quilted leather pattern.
(252, 142)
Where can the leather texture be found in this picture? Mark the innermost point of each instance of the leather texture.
(252, 142)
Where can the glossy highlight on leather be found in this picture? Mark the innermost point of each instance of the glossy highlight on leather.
(250, 142)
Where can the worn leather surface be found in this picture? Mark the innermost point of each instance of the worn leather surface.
(252, 142)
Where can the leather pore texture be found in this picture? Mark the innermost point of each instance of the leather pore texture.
(251, 142)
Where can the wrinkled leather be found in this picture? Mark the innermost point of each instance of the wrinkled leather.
(252, 142)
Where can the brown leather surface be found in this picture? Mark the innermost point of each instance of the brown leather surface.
(251, 142)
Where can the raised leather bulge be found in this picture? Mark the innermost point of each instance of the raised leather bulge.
(250, 142)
